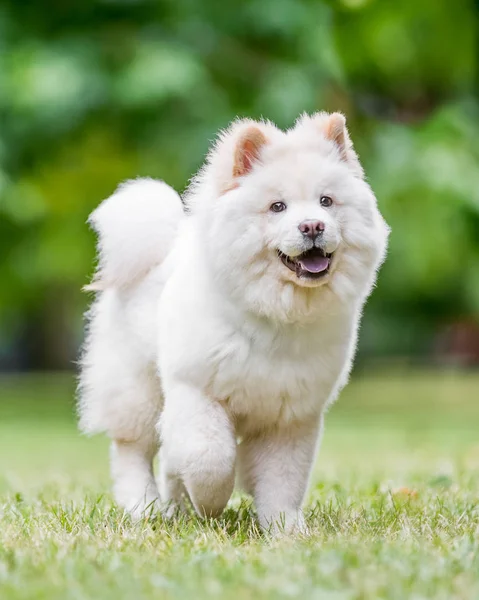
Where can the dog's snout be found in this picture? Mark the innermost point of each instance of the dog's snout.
(311, 229)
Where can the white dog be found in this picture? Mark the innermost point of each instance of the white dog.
(221, 333)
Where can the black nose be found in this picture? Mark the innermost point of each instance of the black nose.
(311, 229)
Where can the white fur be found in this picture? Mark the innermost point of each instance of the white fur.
(248, 356)
(127, 223)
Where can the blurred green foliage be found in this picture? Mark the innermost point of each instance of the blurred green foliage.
(94, 92)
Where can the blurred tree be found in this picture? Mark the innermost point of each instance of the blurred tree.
(97, 91)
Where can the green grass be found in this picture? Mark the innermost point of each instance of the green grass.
(393, 508)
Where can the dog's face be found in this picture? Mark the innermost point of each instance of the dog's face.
(300, 204)
(294, 216)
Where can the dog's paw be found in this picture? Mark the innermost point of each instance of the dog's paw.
(145, 508)
(286, 525)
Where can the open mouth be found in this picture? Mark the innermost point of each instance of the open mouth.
(312, 264)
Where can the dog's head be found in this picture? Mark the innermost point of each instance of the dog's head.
(287, 216)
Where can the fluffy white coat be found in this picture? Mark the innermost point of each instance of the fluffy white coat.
(204, 344)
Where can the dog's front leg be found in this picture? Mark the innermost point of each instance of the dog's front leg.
(198, 449)
(275, 467)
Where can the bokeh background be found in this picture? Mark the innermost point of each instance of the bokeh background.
(98, 91)
(93, 92)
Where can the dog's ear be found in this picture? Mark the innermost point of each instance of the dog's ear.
(248, 150)
(335, 130)
(333, 127)
(236, 152)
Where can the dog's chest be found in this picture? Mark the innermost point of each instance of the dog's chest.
(263, 382)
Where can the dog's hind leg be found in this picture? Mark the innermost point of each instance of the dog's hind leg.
(130, 423)
(133, 480)
(123, 399)
(135, 445)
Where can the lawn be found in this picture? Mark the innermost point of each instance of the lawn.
(393, 507)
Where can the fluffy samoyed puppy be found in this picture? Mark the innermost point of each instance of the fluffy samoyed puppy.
(223, 327)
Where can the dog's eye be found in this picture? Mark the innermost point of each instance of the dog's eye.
(278, 207)
(326, 201)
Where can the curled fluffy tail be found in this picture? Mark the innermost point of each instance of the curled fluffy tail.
(136, 227)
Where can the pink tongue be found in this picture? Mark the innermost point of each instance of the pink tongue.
(314, 264)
